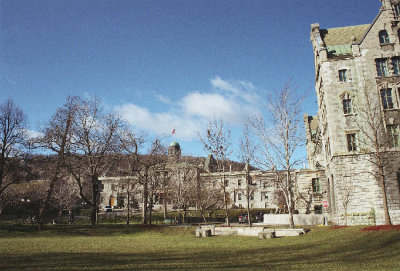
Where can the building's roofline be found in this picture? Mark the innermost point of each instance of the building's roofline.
(371, 25)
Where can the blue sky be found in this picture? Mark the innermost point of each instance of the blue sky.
(164, 65)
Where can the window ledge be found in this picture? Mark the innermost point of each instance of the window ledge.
(389, 44)
(349, 115)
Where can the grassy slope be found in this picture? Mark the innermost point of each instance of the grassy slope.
(121, 247)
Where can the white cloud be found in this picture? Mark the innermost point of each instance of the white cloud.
(193, 111)
(158, 123)
(163, 99)
(210, 106)
(239, 89)
(33, 133)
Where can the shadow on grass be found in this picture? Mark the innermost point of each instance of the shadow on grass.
(342, 249)
(19, 230)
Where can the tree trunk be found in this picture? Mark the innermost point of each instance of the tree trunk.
(248, 194)
(165, 204)
(49, 191)
(94, 215)
(145, 198)
(225, 198)
(151, 209)
(290, 199)
(129, 206)
(203, 215)
(385, 203)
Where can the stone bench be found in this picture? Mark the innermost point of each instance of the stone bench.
(203, 232)
(266, 234)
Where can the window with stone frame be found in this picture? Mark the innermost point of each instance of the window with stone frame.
(316, 187)
(226, 183)
(351, 142)
(251, 196)
(343, 75)
(347, 107)
(393, 131)
(398, 178)
(396, 65)
(239, 196)
(387, 98)
(265, 185)
(239, 182)
(383, 37)
(397, 9)
(318, 209)
(381, 67)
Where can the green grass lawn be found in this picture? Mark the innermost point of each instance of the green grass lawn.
(118, 247)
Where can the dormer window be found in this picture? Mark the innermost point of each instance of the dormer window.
(383, 37)
(342, 75)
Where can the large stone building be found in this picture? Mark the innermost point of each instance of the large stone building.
(309, 186)
(356, 131)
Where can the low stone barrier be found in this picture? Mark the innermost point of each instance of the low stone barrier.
(299, 219)
(226, 231)
(288, 232)
(261, 232)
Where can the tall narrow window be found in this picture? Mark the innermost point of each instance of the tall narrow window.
(351, 142)
(387, 100)
(396, 65)
(316, 185)
(347, 108)
(342, 75)
(397, 9)
(394, 135)
(383, 37)
(398, 178)
(381, 67)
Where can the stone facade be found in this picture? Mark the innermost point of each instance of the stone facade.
(357, 78)
(309, 186)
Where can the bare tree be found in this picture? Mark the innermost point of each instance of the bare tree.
(183, 189)
(12, 140)
(143, 166)
(279, 138)
(128, 187)
(247, 152)
(218, 143)
(57, 138)
(375, 140)
(208, 199)
(95, 143)
(346, 191)
(65, 196)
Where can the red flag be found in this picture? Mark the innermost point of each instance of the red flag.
(173, 132)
